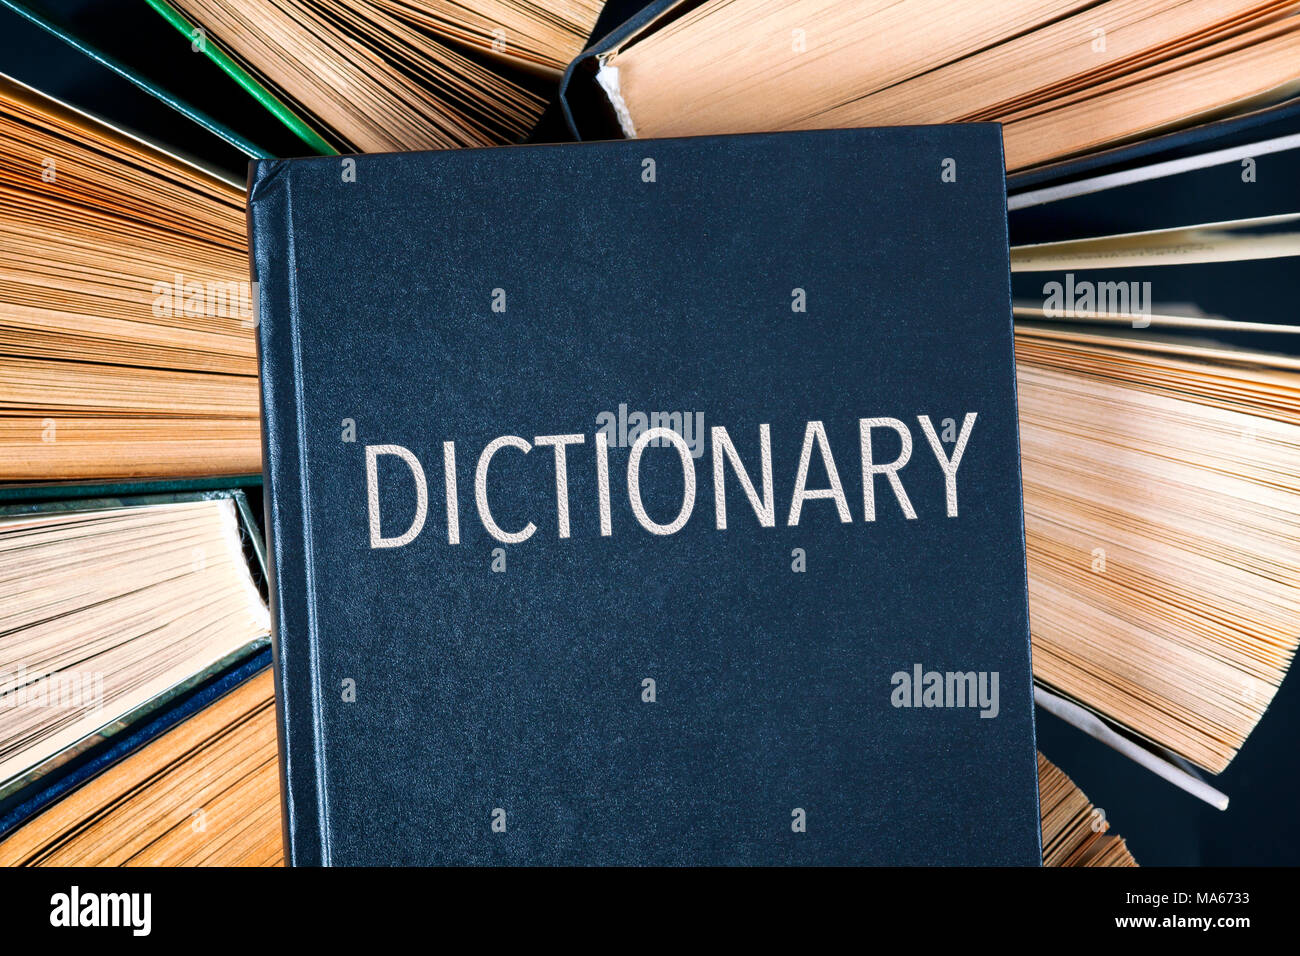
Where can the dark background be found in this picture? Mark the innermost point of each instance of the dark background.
(1161, 823)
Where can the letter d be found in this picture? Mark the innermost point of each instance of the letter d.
(377, 540)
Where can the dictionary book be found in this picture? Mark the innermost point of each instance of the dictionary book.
(647, 503)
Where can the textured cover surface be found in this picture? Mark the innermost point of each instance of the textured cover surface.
(426, 700)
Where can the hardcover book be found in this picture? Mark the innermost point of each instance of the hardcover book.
(647, 502)
(146, 602)
(1065, 78)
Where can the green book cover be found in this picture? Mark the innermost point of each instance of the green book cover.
(246, 80)
(218, 129)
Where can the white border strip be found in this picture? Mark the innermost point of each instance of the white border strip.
(1094, 726)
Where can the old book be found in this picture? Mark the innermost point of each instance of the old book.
(1160, 426)
(1160, 502)
(113, 610)
(206, 793)
(1075, 833)
(126, 336)
(1063, 77)
(392, 74)
(736, 624)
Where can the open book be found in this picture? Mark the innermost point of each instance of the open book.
(1063, 77)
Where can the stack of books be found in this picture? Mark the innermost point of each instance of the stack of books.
(1151, 150)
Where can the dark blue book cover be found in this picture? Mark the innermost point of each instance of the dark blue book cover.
(648, 502)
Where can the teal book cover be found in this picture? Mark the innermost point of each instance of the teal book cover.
(647, 503)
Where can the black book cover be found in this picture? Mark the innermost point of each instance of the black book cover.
(650, 502)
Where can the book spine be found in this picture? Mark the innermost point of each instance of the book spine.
(1008, 330)
(270, 212)
(588, 109)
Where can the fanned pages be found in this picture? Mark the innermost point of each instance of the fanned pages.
(1162, 511)
(1074, 831)
(126, 326)
(374, 80)
(543, 36)
(104, 610)
(1063, 76)
(206, 793)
